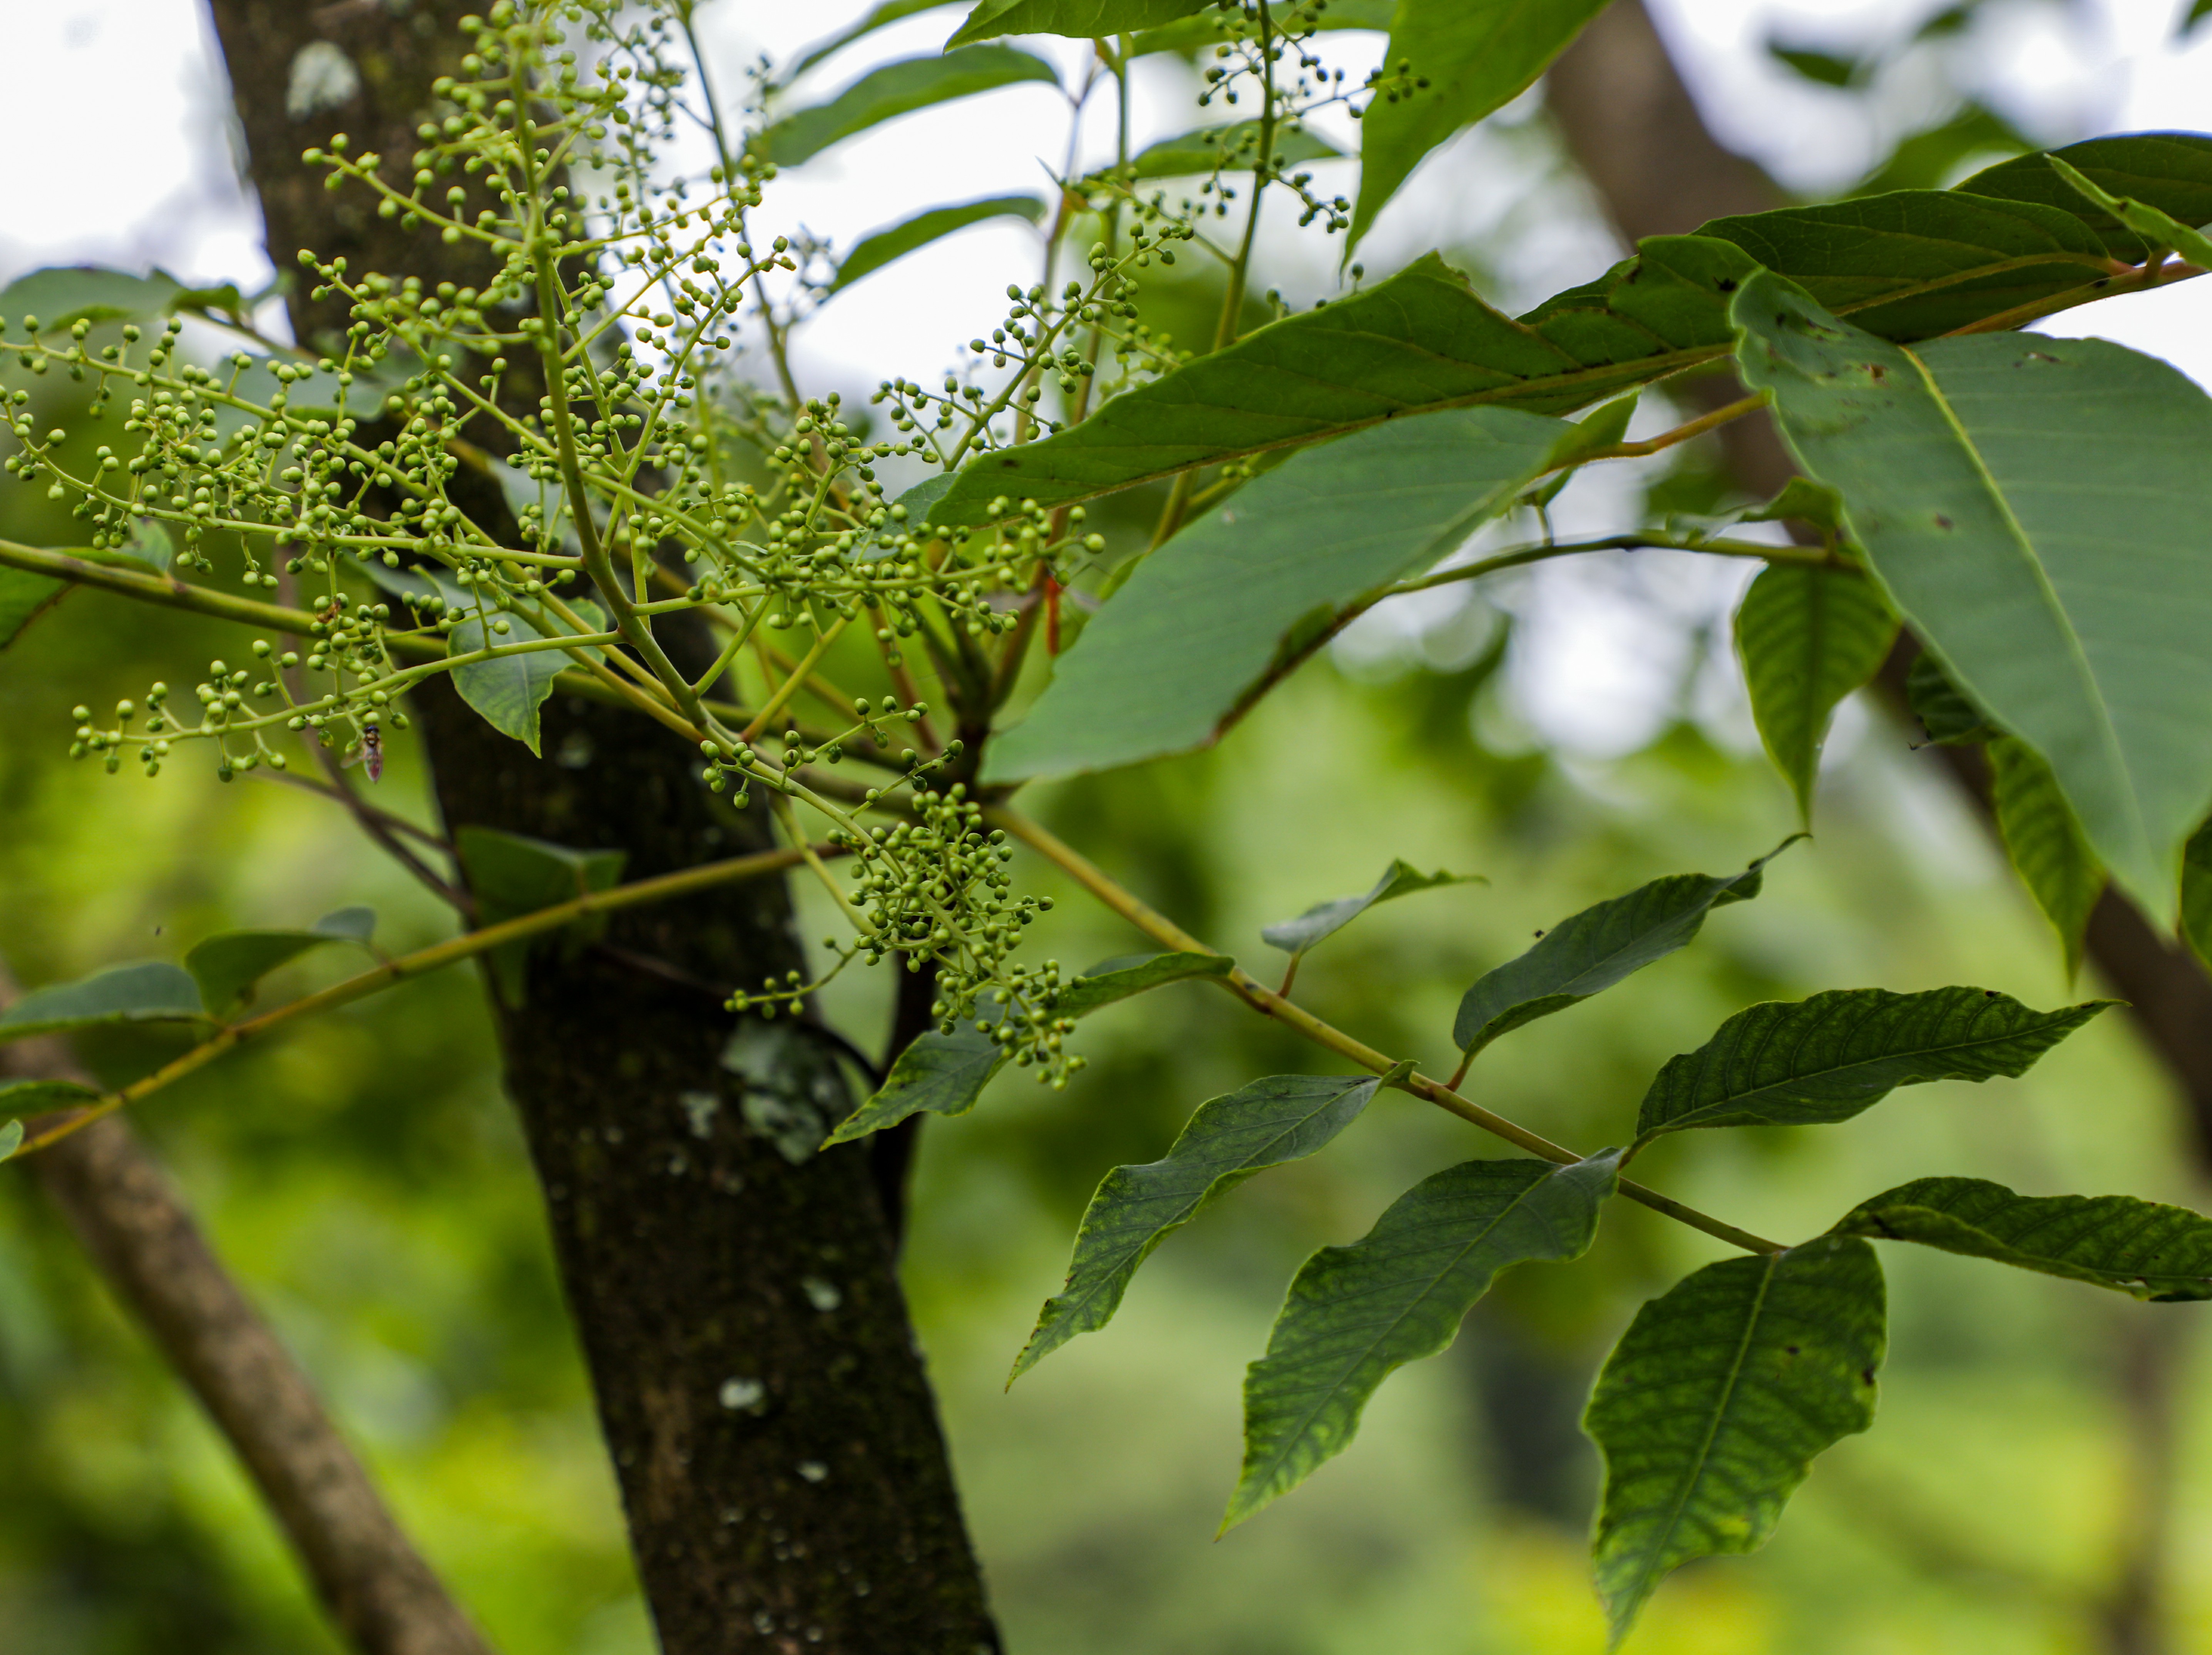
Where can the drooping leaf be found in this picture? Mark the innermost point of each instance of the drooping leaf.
(2046, 843)
(2035, 509)
(885, 246)
(511, 874)
(1356, 1314)
(1326, 919)
(881, 16)
(1474, 56)
(1117, 979)
(1811, 1062)
(1949, 719)
(937, 1074)
(150, 991)
(2143, 1248)
(1710, 1409)
(2196, 893)
(1233, 149)
(1595, 949)
(1203, 622)
(1284, 1118)
(1083, 19)
(23, 598)
(509, 690)
(1808, 637)
(896, 90)
(227, 966)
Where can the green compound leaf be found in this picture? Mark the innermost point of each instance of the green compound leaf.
(937, 1074)
(1808, 637)
(1907, 266)
(897, 89)
(149, 991)
(1813, 1062)
(2046, 844)
(1132, 974)
(511, 874)
(1596, 949)
(1950, 720)
(1326, 919)
(1083, 19)
(1254, 586)
(23, 598)
(2034, 507)
(886, 247)
(1710, 1410)
(1356, 1314)
(227, 966)
(1475, 56)
(1284, 1118)
(1231, 149)
(2143, 1248)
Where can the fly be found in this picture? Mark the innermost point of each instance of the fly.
(371, 754)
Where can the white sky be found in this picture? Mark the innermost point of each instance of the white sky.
(134, 89)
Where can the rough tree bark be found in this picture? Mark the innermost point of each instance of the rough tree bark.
(776, 1440)
(1632, 123)
(143, 1239)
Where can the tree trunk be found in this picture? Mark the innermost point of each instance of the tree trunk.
(735, 1293)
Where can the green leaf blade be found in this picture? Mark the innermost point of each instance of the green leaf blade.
(1294, 937)
(11, 1140)
(1234, 148)
(1711, 1409)
(896, 89)
(937, 1074)
(19, 1097)
(1356, 1314)
(1114, 980)
(511, 874)
(1202, 622)
(1808, 638)
(1284, 1118)
(1477, 56)
(507, 692)
(2034, 509)
(2047, 846)
(1823, 1060)
(23, 598)
(228, 965)
(149, 991)
(1590, 951)
(886, 247)
(2143, 1248)
(1082, 19)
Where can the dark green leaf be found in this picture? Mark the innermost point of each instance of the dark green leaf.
(1811, 1062)
(1710, 1410)
(1906, 266)
(1821, 68)
(1228, 149)
(2046, 844)
(887, 245)
(1193, 34)
(227, 966)
(1808, 637)
(19, 1097)
(2170, 171)
(1325, 919)
(897, 89)
(2157, 228)
(1083, 19)
(1117, 979)
(890, 11)
(2034, 507)
(2196, 893)
(1949, 719)
(151, 991)
(511, 875)
(23, 598)
(1595, 949)
(1475, 56)
(1201, 625)
(938, 1075)
(1284, 1118)
(2143, 1248)
(2198, 11)
(1356, 1314)
(508, 691)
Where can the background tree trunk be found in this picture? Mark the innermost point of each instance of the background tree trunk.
(776, 1440)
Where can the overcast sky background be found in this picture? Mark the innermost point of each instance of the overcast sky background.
(121, 153)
